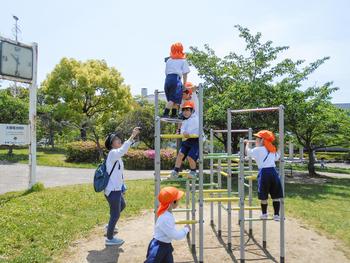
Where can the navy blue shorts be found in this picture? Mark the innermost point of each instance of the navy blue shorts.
(159, 252)
(190, 148)
(269, 183)
(173, 88)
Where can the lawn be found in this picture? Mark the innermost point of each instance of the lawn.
(45, 157)
(39, 226)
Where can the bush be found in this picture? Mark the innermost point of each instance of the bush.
(144, 160)
(82, 152)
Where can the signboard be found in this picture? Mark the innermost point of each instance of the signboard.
(14, 134)
(16, 61)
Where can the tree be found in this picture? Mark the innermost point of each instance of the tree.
(81, 93)
(259, 79)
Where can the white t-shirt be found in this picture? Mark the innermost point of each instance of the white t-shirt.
(260, 153)
(165, 230)
(177, 66)
(191, 125)
(116, 179)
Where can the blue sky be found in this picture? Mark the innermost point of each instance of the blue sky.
(135, 36)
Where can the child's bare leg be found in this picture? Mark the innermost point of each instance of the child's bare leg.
(192, 163)
(178, 161)
(264, 207)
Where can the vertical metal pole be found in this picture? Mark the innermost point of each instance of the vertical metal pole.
(229, 181)
(264, 233)
(32, 119)
(281, 172)
(291, 151)
(187, 199)
(219, 203)
(193, 214)
(211, 176)
(250, 165)
(241, 198)
(157, 154)
(201, 226)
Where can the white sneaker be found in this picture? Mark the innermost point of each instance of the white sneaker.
(192, 174)
(276, 218)
(264, 216)
(174, 174)
(114, 242)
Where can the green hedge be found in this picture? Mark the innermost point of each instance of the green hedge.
(82, 152)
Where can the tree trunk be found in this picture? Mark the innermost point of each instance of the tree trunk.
(83, 134)
(311, 164)
(97, 138)
(52, 138)
(10, 152)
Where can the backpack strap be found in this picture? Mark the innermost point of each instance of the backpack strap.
(114, 167)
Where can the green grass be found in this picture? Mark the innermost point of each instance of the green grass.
(300, 167)
(325, 207)
(45, 157)
(38, 226)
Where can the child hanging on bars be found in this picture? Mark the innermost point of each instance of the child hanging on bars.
(160, 248)
(189, 146)
(176, 68)
(265, 155)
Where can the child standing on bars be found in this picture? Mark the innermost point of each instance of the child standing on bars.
(176, 69)
(265, 155)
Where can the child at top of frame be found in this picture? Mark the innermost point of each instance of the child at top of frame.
(176, 68)
(189, 146)
(160, 248)
(265, 155)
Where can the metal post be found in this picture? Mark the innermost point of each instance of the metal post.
(241, 198)
(201, 226)
(291, 151)
(157, 154)
(193, 213)
(211, 176)
(250, 165)
(229, 181)
(32, 119)
(281, 172)
(187, 199)
(219, 203)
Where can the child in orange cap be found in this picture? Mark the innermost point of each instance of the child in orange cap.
(176, 68)
(265, 155)
(160, 248)
(189, 146)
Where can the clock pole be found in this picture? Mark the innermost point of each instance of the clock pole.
(32, 118)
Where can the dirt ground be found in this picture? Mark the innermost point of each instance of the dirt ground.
(302, 244)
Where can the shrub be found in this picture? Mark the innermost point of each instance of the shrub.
(82, 152)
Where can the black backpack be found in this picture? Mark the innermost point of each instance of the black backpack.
(101, 176)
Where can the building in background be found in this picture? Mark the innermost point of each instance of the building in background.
(150, 97)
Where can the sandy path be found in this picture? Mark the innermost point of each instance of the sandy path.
(302, 244)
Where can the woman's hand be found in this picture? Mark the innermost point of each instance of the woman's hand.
(135, 132)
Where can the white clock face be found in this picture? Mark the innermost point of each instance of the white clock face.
(16, 61)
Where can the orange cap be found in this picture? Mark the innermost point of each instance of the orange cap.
(188, 88)
(176, 51)
(269, 138)
(188, 104)
(166, 196)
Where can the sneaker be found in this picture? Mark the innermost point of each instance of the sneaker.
(114, 242)
(276, 218)
(264, 216)
(192, 174)
(165, 116)
(174, 174)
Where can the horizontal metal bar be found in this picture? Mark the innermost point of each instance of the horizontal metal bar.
(174, 179)
(246, 185)
(232, 131)
(255, 110)
(186, 222)
(220, 199)
(237, 208)
(168, 173)
(177, 136)
(208, 184)
(251, 177)
(258, 219)
(178, 210)
(170, 120)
